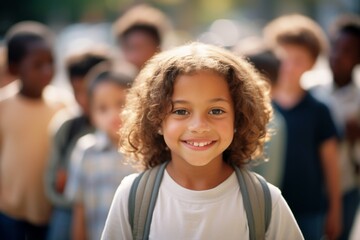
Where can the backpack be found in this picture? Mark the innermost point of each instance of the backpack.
(145, 188)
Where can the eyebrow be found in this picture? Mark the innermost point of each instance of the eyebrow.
(214, 100)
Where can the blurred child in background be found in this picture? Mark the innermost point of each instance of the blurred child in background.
(78, 64)
(311, 183)
(140, 32)
(342, 96)
(24, 138)
(97, 167)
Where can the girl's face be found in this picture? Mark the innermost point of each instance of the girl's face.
(200, 126)
(107, 102)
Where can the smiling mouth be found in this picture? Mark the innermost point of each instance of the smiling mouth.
(199, 144)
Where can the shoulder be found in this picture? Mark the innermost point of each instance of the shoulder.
(62, 121)
(121, 197)
(9, 90)
(117, 224)
(282, 224)
(86, 142)
(275, 194)
(317, 106)
(58, 97)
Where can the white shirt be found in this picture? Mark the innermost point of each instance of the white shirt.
(216, 213)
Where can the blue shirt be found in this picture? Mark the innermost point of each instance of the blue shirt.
(308, 125)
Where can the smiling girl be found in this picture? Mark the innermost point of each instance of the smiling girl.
(202, 111)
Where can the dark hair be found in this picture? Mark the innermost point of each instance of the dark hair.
(102, 73)
(144, 18)
(345, 24)
(80, 65)
(18, 44)
(147, 29)
(266, 63)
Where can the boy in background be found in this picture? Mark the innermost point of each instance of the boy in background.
(311, 183)
(78, 64)
(24, 138)
(96, 167)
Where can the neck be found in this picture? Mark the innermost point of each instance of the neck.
(199, 178)
(339, 83)
(30, 95)
(287, 95)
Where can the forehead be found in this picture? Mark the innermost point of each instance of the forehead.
(201, 85)
(38, 47)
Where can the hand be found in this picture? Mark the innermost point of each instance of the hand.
(333, 224)
(61, 177)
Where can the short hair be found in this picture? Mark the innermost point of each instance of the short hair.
(348, 24)
(104, 72)
(147, 29)
(17, 46)
(149, 100)
(299, 30)
(142, 18)
(267, 63)
(79, 64)
(257, 51)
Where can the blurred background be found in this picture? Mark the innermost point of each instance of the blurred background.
(191, 16)
(223, 22)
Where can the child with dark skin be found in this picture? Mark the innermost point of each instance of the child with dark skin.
(342, 95)
(344, 57)
(24, 209)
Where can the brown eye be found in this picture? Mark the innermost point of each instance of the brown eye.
(216, 112)
(180, 112)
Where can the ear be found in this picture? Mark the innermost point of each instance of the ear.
(160, 132)
(13, 69)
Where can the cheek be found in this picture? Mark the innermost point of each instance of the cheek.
(170, 127)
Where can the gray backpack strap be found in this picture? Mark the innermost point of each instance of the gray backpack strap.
(142, 199)
(257, 202)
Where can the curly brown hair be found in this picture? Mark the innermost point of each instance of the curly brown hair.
(150, 98)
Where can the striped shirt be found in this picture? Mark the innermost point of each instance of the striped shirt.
(96, 170)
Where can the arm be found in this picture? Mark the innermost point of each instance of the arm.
(55, 170)
(330, 163)
(78, 223)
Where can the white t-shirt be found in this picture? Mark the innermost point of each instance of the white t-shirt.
(216, 213)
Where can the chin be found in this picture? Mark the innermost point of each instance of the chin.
(199, 163)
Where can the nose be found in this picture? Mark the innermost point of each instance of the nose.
(199, 124)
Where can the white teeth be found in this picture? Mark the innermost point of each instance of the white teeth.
(199, 144)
